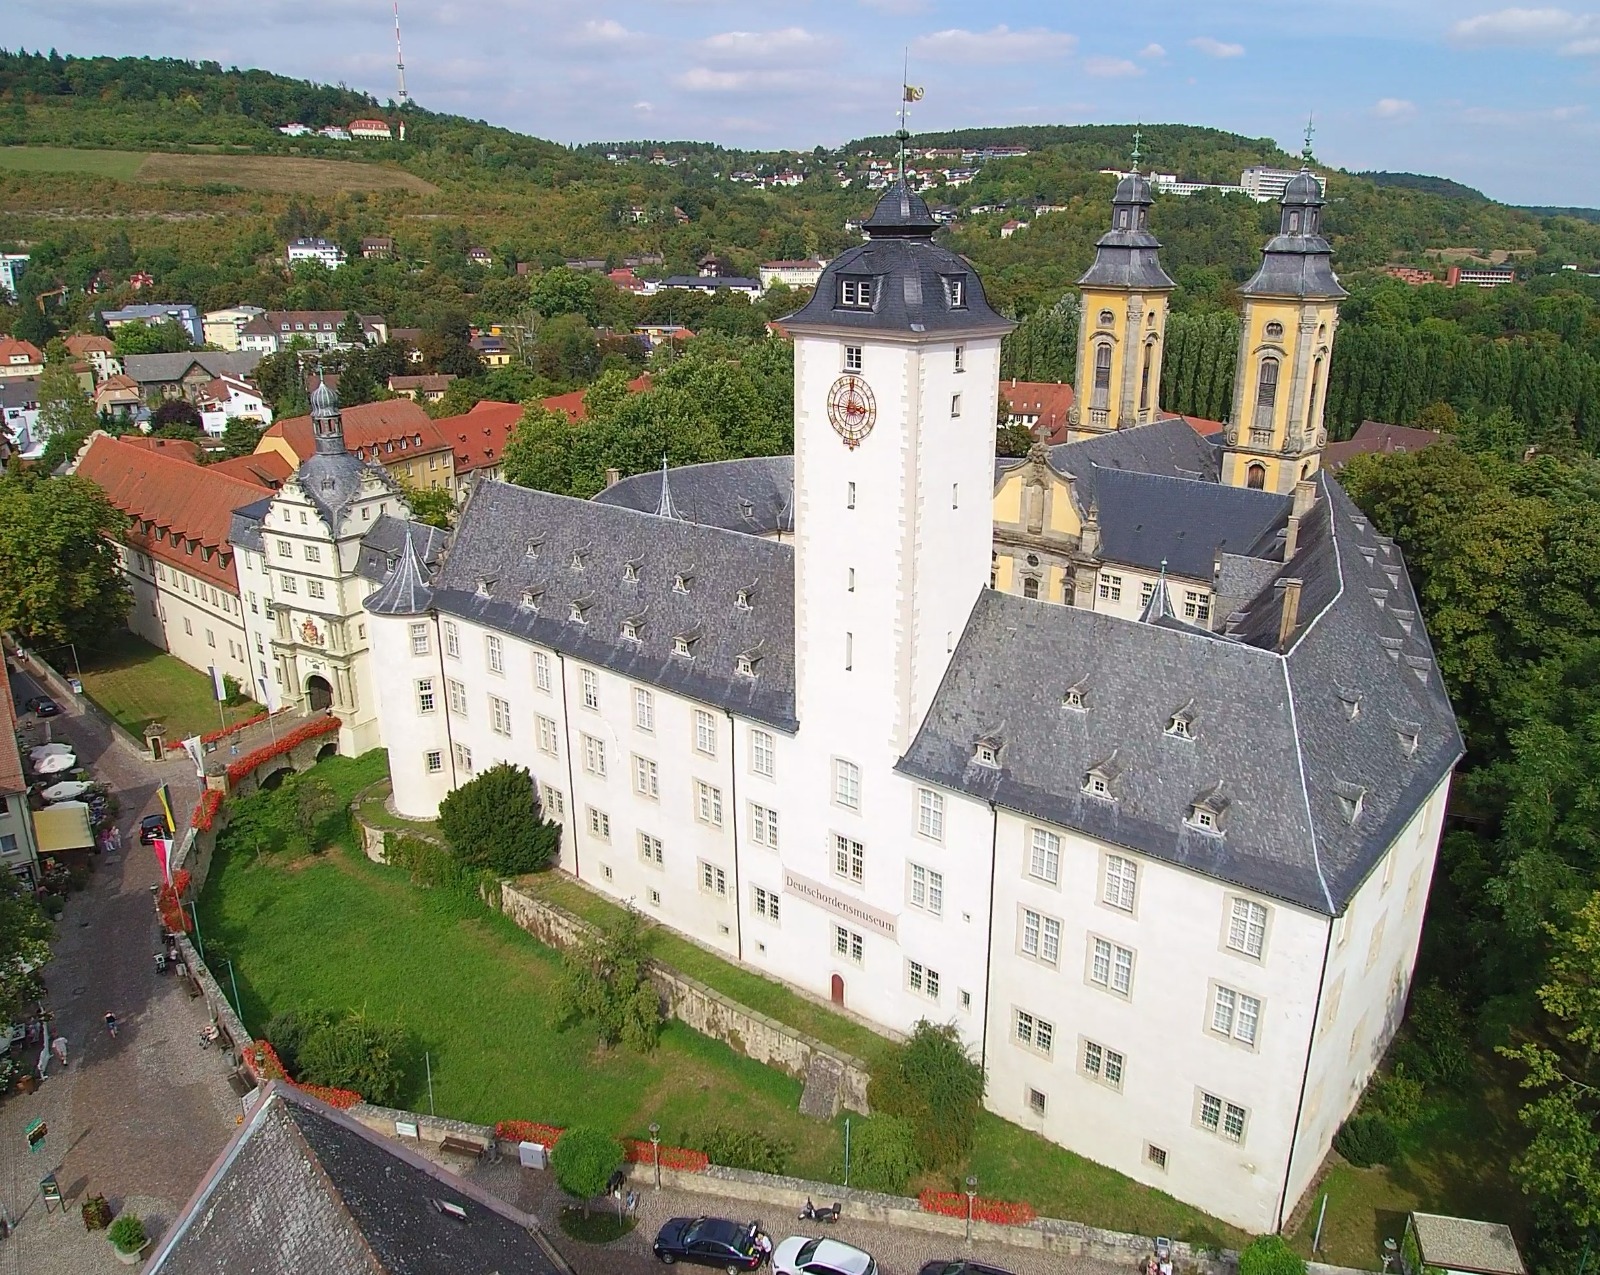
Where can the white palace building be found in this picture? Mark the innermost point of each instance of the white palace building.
(1164, 866)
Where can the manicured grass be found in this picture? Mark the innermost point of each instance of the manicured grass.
(117, 165)
(136, 684)
(1454, 1161)
(374, 812)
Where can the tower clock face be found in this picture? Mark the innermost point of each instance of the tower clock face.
(852, 409)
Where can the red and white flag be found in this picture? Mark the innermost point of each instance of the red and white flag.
(163, 847)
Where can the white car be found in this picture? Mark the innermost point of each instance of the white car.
(798, 1255)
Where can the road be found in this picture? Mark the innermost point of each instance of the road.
(137, 1119)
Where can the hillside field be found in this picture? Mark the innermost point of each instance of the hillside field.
(273, 173)
(118, 165)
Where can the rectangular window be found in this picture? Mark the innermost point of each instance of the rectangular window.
(211, 638)
(458, 697)
(852, 358)
(855, 294)
(554, 803)
(846, 784)
(930, 814)
(419, 639)
(288, 583)
(1247, 927)
(285, 549)
(921, 979)
(594, 755)
(707, 803)
(705, 733)
(1045, 861)
(1102, 1064)
(313, 554)
(713, 880)
(850, 496)
(499, 716)
(314, 588)
(646, 778)
(1034, 1032)
(463, 758)
(1037, 1102)
(849, 651)
(955, 405)
(495, 651)
(1110, 586)
(1221, 1117)
(1111, 966)
(644, 710)
(961, 358)
(434, 761)
(762, 757)
(1235, 1015)
(452, 643)
(764, 826)
(650, 849)
(766, 903)
(1375, 945)
(541, 670)
(848, 944)
(599, 824)
(1041, 937)
(591, 687)
(927, 889)
(1196, 606)
(1122, 876)
(547, 735)
(849, 859)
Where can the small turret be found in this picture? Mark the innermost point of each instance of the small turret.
(327, 426)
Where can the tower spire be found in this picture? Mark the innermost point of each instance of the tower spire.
(1136, 151)
(1306, 158)
(399, 56)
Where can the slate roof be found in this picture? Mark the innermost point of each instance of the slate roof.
(1273, 729)
(1128, 258)
(406, 591)
(511, 540)
(755, 496)
(1169, 446)
(303, 1189)
(1148, 519)
(908, 272)
(715, 281)
(382, 546)
(160, 369)
(1297, 261)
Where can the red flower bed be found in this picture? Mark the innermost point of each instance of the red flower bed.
(169, 902)
(527, 1131)
(639, 1151)
(322, 726)
(261, 1058)
(212, 737)
(205, 810)
(954, 1204)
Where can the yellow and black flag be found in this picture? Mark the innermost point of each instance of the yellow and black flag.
(913, 93)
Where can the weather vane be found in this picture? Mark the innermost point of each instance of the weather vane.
(1305, 154)
(1136, 151)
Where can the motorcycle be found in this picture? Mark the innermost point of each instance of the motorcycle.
(828, 1214)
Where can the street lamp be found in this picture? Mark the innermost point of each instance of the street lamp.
(972, 1196)
(655, 1150)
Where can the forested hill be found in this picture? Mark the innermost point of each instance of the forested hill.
(1421, 181)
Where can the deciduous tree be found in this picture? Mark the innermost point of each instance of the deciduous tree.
(60, 580)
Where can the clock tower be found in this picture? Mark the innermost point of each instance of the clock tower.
(896, 365)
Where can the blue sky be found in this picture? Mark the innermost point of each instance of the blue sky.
(1501, 98)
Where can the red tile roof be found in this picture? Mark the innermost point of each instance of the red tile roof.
(1201, 425)
(12, 349)
(572, 404)
(372, 430)
(1048, 400)
(183, 448)
(179, 512)
(479, 436)
(269, 469)
(1378, 437)
(92, 343)
(11, 777)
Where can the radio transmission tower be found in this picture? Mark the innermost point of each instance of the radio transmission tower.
(399, 55)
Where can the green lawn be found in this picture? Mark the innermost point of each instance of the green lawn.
(136, 683)
(374, 812)
(118, 165)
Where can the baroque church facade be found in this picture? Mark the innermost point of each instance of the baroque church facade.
(1160, 854)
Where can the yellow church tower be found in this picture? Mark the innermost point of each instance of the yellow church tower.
(1275, 435)
(1122, 319)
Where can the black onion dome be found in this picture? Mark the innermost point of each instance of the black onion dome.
(901, 211)
(1297, 262)
(1127, 257)
(324, 402)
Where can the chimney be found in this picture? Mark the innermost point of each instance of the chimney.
(1291, 611)
(1305, 495)
(1291, 537)
(613, 476)
(1089, 537)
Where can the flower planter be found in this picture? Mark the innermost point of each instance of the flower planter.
(27, 1084)
(133, 1258)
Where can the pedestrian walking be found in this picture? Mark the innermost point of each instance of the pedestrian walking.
(58, 1047)
(111, 1025)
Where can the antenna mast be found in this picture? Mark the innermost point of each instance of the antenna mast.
(399, 56)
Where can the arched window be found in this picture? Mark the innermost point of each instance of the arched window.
(1274, 331)
(1102, 376)
(1122, 219)
(1033, 508)
(1030, 587)
(1316, 389)
(1266, 394)
(1294, 223)
(1144, 375)
(1107, 318)
(1256, 476)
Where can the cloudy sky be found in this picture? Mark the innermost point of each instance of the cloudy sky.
(1504, 99)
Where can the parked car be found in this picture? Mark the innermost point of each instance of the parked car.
(41, 706)
(152, 828)
(959, 1266)
(713, 1241)
(798, 1255)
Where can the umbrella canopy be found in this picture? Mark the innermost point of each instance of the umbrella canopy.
(66, 790)
(48, 750)
(56, 763)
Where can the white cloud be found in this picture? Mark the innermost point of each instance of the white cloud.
(1394, 108)
(1103, 68)
(1000, 44)
(1152, 51)
(762, 44)
(644, 108)
(1581, 48)
(1500, 118)
(899, 8)
(701, 79)
(1214, 48)
(604, 29)
(1522, 26)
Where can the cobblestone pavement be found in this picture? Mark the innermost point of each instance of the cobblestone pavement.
(137, 1119)
(898, 1250)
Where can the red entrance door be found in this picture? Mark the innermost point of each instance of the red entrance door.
(837, 990)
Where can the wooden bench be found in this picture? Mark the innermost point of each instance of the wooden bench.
(462, 1146)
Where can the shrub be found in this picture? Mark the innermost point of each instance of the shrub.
(287, 1031)
(495, 822)
(127, 1234)
(1366, 1140)
(428, 863)
(931, 1080)
(883, 1154)
(741, 1148)
(605, 980)
(1270, 1255)
(1396, 1097)
(355, 1052)
(96, 1213)
(1435, 1047)
(584, 1160)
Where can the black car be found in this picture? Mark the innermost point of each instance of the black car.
(42, 706)
(152, 828)
(713, 1241)
(952, 1266)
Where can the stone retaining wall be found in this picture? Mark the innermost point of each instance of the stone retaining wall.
(703, 1008)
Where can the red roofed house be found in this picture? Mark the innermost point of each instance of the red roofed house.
(371, 130)
(226, 398)
(396, 434)
(175, 552)
(19, 358)
(1378, 438)
(18, 848)
(1040, 406)
(479, 437)
(572, 403)
(266, 469)
(98, 352)
(118, 394)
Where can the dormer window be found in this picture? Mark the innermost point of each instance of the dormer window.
(630, 630)
(1351, 798)
(485, 586)
(683, 645)
(1202, 819)
(630, 573)
(742, 600)
(987, 753)
(1351, 701)
(680, 582)
(855, 292)
(1208, 810)
(1181, 724)
(1409, 735)
(530, 599)
(1072, 698)
(533, 548)
(576, 613)
(955, 291)
(744, 664)
(1095, 784)
(577, 559)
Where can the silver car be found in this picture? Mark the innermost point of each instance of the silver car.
(798, 1255)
